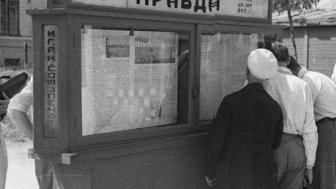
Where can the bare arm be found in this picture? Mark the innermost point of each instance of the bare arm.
(3, 106)
(21, 120)
(310, 136)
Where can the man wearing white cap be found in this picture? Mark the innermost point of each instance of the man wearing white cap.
(299, 141)
(324, 98)
(248, 125)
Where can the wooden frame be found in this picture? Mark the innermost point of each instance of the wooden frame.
(76, 140)
(60, 142)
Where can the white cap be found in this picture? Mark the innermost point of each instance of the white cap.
(262, 63)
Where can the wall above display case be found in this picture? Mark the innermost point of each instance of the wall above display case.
(258, 9)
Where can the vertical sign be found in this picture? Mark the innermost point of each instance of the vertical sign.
(51, 57)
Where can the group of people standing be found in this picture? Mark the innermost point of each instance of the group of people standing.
(279, 131)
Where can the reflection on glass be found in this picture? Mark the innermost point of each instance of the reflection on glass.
(129, 79)
(223, 67)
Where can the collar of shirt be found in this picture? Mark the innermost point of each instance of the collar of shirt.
(255, 86)
(302, 72)
(284, 70)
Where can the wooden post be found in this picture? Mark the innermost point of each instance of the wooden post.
(25, 63)
(306, 47)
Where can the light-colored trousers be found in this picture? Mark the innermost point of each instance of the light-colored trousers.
(290, 159)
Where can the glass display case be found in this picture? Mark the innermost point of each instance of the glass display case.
(118, 80)
(138, 85)
(138, 78)
(106, 80)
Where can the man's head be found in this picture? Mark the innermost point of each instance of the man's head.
(281, 53)
(261, 65)
(294, 66)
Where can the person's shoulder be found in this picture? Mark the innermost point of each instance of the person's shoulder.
(318, 75)
(313, 74)
(231, 97)
(288, 78)
(296, 79)
(279, 76)
(319, 80)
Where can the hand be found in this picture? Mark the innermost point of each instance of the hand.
(209, 181)
(309, 174)
(4, 104)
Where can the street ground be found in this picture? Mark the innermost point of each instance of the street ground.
(21, 169)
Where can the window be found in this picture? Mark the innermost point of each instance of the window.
(223, 67)
(12, 63)
(130, 79)
(9, 17)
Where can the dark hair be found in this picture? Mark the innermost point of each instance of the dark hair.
(248, 72)
(293, 64)
(5, 77)
(280, 51)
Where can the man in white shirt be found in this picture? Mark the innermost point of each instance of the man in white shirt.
(324, 99)
(297, 152)
(20, 111)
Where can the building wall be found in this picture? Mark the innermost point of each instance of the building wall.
(316, 47)
(300, 43)
(25, 19)
(322, 49)
(12, 47)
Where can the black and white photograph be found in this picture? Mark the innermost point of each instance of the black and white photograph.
(167, 94)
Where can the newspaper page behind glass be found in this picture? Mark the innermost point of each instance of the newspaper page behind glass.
(223, 68)
(129, 79)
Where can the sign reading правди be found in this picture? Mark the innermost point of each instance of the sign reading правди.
(239, 8)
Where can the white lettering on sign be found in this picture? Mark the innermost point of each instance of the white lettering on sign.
(240, 8)
(50, 79)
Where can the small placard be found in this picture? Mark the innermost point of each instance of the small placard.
(50, 80)
(66, 158)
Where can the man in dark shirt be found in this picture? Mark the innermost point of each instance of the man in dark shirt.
(248, 125)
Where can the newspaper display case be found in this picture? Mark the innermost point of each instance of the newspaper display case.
(128, 89)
